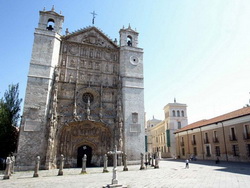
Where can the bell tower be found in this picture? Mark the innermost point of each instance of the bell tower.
(50, 21)
(44, 59)
(131, 72)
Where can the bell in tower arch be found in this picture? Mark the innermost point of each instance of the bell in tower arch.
(50, 25)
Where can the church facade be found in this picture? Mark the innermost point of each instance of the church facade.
(84, 95)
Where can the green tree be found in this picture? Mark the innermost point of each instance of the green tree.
(9, 116)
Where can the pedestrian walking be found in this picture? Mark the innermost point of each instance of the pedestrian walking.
(187, 163)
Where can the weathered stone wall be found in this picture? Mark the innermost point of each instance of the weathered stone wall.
(131, 71)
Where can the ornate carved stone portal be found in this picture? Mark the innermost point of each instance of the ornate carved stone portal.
(86, 135)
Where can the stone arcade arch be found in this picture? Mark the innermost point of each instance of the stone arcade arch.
(95, 137)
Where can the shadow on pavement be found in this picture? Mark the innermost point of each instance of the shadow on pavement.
(224, 166)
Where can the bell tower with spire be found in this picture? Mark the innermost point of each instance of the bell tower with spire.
(44, 59)
(131, 72)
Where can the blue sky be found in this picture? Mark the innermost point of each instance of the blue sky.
(195, 51)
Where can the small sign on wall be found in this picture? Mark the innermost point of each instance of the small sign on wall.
(136, 128)
(32, 125)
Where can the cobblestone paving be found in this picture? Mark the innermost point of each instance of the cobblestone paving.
(170, 174)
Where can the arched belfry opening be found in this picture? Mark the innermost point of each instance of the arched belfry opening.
(50, 24)
(129, 40)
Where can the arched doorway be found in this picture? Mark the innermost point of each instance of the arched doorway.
(95, 136)
(81, 151)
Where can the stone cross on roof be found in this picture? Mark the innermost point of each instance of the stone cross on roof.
(93, 19)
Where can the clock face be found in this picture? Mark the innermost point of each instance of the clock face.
(134, 60)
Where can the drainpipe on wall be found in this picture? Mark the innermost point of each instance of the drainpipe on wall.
(179, 156)
(188, 145)
(202, 145)
(225, 145)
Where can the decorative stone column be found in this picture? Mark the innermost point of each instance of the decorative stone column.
(157, 161)
(125, 168)
(149, 159)
(60, 172)
(146, 160)
(12, 164)
(105, 165)
(152, 163)
(142, 162)
(84, 160)
(7, 169)
(36, 169)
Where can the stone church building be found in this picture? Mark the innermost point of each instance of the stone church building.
(84, 95)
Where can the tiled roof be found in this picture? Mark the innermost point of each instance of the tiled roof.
(237, 113)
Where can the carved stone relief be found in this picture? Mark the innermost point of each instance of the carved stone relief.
(95, 135)
(73, 49)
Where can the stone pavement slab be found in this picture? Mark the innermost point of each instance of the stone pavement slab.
(170, 174)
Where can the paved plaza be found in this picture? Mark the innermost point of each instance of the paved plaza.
(172, 173)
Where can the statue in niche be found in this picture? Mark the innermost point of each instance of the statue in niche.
(62, 76)
(70, 78)
(56, 74)
(97, 66)
(54, 103)
(82, 77)
(63, 62)
(90, 65)
(72, 63)
(88, 109)
(55, 92)
(100, 115)
(76, 117)
(98, 54)
(120, 144)
(91, 53)
(83, 51)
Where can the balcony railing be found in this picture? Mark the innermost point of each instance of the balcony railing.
(193, 142)
(246, 136)
(206, 141)
(232, 138)
(182, 143)
(215, 140)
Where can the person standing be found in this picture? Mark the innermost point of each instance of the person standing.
(187, 163)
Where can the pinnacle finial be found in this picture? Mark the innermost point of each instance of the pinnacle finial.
(43, 8)
(67, 31)
(53, 8)
(174, 100)
(129, 26)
